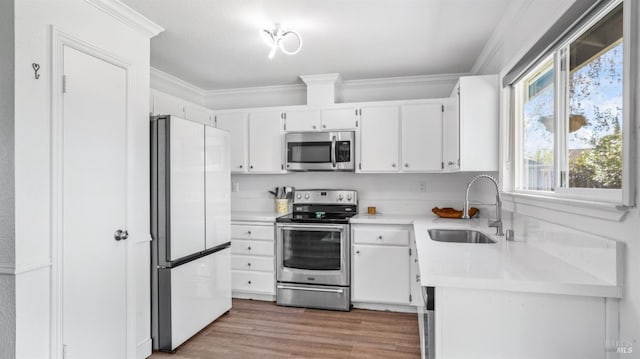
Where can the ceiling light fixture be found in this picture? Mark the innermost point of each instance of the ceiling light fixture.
(274, 38)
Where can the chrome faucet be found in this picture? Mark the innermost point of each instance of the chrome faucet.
(497, 223)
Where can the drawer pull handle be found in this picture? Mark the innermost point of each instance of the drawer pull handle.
(327, 290)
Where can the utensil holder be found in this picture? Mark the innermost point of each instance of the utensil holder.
(282, 206)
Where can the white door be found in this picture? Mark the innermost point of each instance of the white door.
(422, 137)
(379, 139)
(339, 119)
(303, 120)
(451, 136)
(165, 105)
(376, 283)
(265, 142)
(217, 187)
(94, 207)
(187, 196)
(236, 124)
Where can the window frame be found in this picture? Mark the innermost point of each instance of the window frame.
(623, 197)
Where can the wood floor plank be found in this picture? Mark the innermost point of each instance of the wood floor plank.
(256, 329)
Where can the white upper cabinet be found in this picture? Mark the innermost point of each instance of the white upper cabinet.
(198, 114)
(451, 136)
(265, 142)
(422, 137)
(167, 105)
(478, 107)
(302, 120)
(379, 139)
(236, 124)
(339, 119)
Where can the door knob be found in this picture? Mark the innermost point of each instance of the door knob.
(121, 235)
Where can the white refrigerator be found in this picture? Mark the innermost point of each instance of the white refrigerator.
(190, 228)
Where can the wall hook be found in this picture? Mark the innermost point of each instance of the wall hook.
(36, 68)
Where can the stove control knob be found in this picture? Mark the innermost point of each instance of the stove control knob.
(340, 197)
(298, 196)
(306, 196)
(349, 198)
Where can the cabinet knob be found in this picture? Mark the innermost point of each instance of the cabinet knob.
(249, 248)
(240, 166)
(251, 167)
(249, 232)
(324, 126)
(314, 127)
(380, 237)
(406, 165)
(393, 165)
(249, 264)
(249, 282)
(357, 252)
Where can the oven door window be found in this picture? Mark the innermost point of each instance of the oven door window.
(309, 152)
(312, 250)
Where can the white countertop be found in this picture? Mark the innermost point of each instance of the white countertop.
(510, 266)
(254, 216)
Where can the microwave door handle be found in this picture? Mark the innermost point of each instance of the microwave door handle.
(333, 151)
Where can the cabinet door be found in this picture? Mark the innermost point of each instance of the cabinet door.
(339, 119)
(265, 142)
(236, 124)
(168, 105)
(197, 114)
(187, 188)
(422, 137)
(451, 136)
(303, 120)
(381, 274)
(379, 139)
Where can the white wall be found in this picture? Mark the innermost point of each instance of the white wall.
(389, 193)
(524, 30)
(7, 193)
(33, 20)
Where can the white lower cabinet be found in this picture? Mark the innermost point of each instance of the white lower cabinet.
(381, 264)
(252, 260)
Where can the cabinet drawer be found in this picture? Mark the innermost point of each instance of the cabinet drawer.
(257, 248)
(252, 263)
(247, 281)
(395, 236)
(243, 231)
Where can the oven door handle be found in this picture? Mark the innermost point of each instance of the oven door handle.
(322, 228)
(326, 290)
(333, 151)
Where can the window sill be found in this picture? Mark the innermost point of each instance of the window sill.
(531, 204)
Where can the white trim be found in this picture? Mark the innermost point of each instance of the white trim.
(402, 80)
(257, 89)
(143, 349)
(630, 98)
(160, 80)
(520, 202)
(59, 39)
(128, 16)
(7, 269)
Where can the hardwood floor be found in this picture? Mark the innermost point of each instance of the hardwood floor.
(255, 329)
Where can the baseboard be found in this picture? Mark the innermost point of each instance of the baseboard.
(386, 307)
(254, 296)
(143, 349)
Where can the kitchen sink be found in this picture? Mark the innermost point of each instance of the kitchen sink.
(459, 236)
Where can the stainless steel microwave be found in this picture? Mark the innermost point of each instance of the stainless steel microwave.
(320, 151)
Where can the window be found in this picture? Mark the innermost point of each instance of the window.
(569, 115)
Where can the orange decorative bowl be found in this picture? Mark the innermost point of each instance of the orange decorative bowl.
(453, 213)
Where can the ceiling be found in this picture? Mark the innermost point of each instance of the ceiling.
(216, 44)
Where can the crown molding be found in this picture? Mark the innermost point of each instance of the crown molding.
(162, 81)
(515, 10)
(256, 90)
(402, 80)
(128, 16)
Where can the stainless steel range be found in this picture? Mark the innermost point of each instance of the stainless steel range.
(313, 250)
